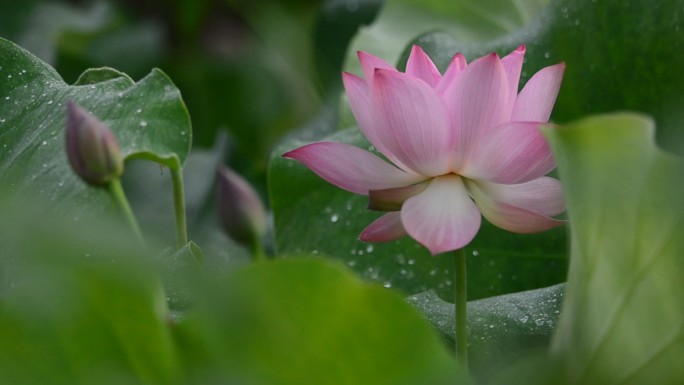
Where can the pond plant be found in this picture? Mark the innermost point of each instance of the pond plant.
(347, 161)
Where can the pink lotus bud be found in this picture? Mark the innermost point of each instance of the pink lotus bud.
(92, 149)
(240, 209)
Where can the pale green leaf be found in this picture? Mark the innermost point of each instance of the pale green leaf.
(622, 320)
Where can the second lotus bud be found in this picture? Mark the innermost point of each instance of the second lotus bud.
(240, 209)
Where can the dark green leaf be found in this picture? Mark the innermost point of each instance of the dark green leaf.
(337, 23)
(500, 329)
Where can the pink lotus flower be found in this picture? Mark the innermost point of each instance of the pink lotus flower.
(461, 145)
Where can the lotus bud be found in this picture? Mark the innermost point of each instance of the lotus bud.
(240, 209)
(92, 149)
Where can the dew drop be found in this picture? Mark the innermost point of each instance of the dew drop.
(369, 249)
(334, 218)
(183, 133)
(7, 98)
(139, 110)
(411, 261)
(44, 143)
(475, 253)
(547, 55)
(49, 102)
(143, 123)
(387, 284)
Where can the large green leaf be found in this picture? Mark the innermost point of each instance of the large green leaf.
(500, 328)
(148, 118)
(622, 320)
(619, 55)
(309, 321)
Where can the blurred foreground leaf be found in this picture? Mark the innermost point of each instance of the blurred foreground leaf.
(79, 306)
(308, 321)
(622, 320)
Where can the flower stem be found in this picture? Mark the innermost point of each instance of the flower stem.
(460, 300)
(258, 254)
(179, 207)
(119, 196)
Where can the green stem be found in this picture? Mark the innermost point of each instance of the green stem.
(179, 207)
(119, 196)
(258, 254)
(460, 300)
